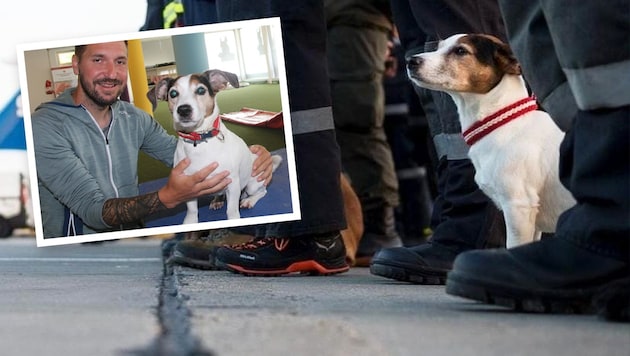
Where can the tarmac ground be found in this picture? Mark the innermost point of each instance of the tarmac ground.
(119, 298)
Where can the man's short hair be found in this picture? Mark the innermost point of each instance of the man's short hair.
(79, 49)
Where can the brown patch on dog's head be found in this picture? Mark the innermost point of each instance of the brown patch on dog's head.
(487, 60)
(191, 98)
(214, 80)
(492, 51)
(202, 93)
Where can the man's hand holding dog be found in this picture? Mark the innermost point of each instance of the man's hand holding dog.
(181, 187)
(178, 189)
(263, 165)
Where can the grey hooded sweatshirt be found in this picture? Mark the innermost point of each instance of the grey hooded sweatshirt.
(79, 167)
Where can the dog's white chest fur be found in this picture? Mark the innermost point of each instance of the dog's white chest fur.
(227, 149)
(233, 155)
(517, 168)
(191, 100)
(517, 164)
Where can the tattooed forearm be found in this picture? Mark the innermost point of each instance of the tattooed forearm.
(119, 211)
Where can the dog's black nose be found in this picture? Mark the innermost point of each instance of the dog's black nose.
(414, 62)
(184, 111)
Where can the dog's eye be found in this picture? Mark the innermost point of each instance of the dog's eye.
(173, 94)
(201, 91)
(460, 51)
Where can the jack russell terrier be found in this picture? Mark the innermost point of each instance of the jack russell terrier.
(204, 138)
(513, 146)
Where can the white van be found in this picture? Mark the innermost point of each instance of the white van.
(16, 210)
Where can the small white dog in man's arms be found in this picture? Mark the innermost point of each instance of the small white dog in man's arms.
(204, 138)
(514, 147)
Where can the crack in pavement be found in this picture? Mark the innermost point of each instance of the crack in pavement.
(175, 337)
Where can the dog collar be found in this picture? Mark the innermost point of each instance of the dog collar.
(195, 137)
(490, 123)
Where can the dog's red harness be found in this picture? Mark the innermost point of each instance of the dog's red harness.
(195, 137)
(490, 123)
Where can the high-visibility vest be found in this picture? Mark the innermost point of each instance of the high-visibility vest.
(171, 12)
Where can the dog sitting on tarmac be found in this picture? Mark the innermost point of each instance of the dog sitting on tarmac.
(204, 138)
(513, 146)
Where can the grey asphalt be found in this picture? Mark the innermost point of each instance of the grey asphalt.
(117, 298)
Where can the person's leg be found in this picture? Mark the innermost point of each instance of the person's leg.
(528, 38)
(356, 58)
(407, 132)
(315, 239)
(463, 216)
(591, 247)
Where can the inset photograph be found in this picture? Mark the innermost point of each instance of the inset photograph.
(158, 132)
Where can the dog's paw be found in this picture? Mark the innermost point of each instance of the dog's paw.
(217, 202)
(216, 205)
(247, 204)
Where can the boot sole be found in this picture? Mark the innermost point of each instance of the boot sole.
(612, 302)
(576, 301)
(310, 267)
(428, 277)
(180, 259)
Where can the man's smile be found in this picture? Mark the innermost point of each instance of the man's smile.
(108, 83)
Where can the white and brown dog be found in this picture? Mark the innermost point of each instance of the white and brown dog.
(513, 146)
(204, 138)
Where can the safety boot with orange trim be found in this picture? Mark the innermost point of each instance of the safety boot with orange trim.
(195, 250)
(274, 256)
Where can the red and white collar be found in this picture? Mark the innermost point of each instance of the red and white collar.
(490, 123)
(195, 137)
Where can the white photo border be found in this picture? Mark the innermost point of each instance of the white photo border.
(274, 24)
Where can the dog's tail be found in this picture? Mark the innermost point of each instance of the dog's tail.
(276, 160)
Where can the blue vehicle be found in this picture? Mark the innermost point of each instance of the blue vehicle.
(15, 205)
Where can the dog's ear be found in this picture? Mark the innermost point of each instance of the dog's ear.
(506, 59)
(492, 51)
(219, 79)
(158, 92)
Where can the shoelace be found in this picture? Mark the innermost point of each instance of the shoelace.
(279, 243)
(254, 244)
